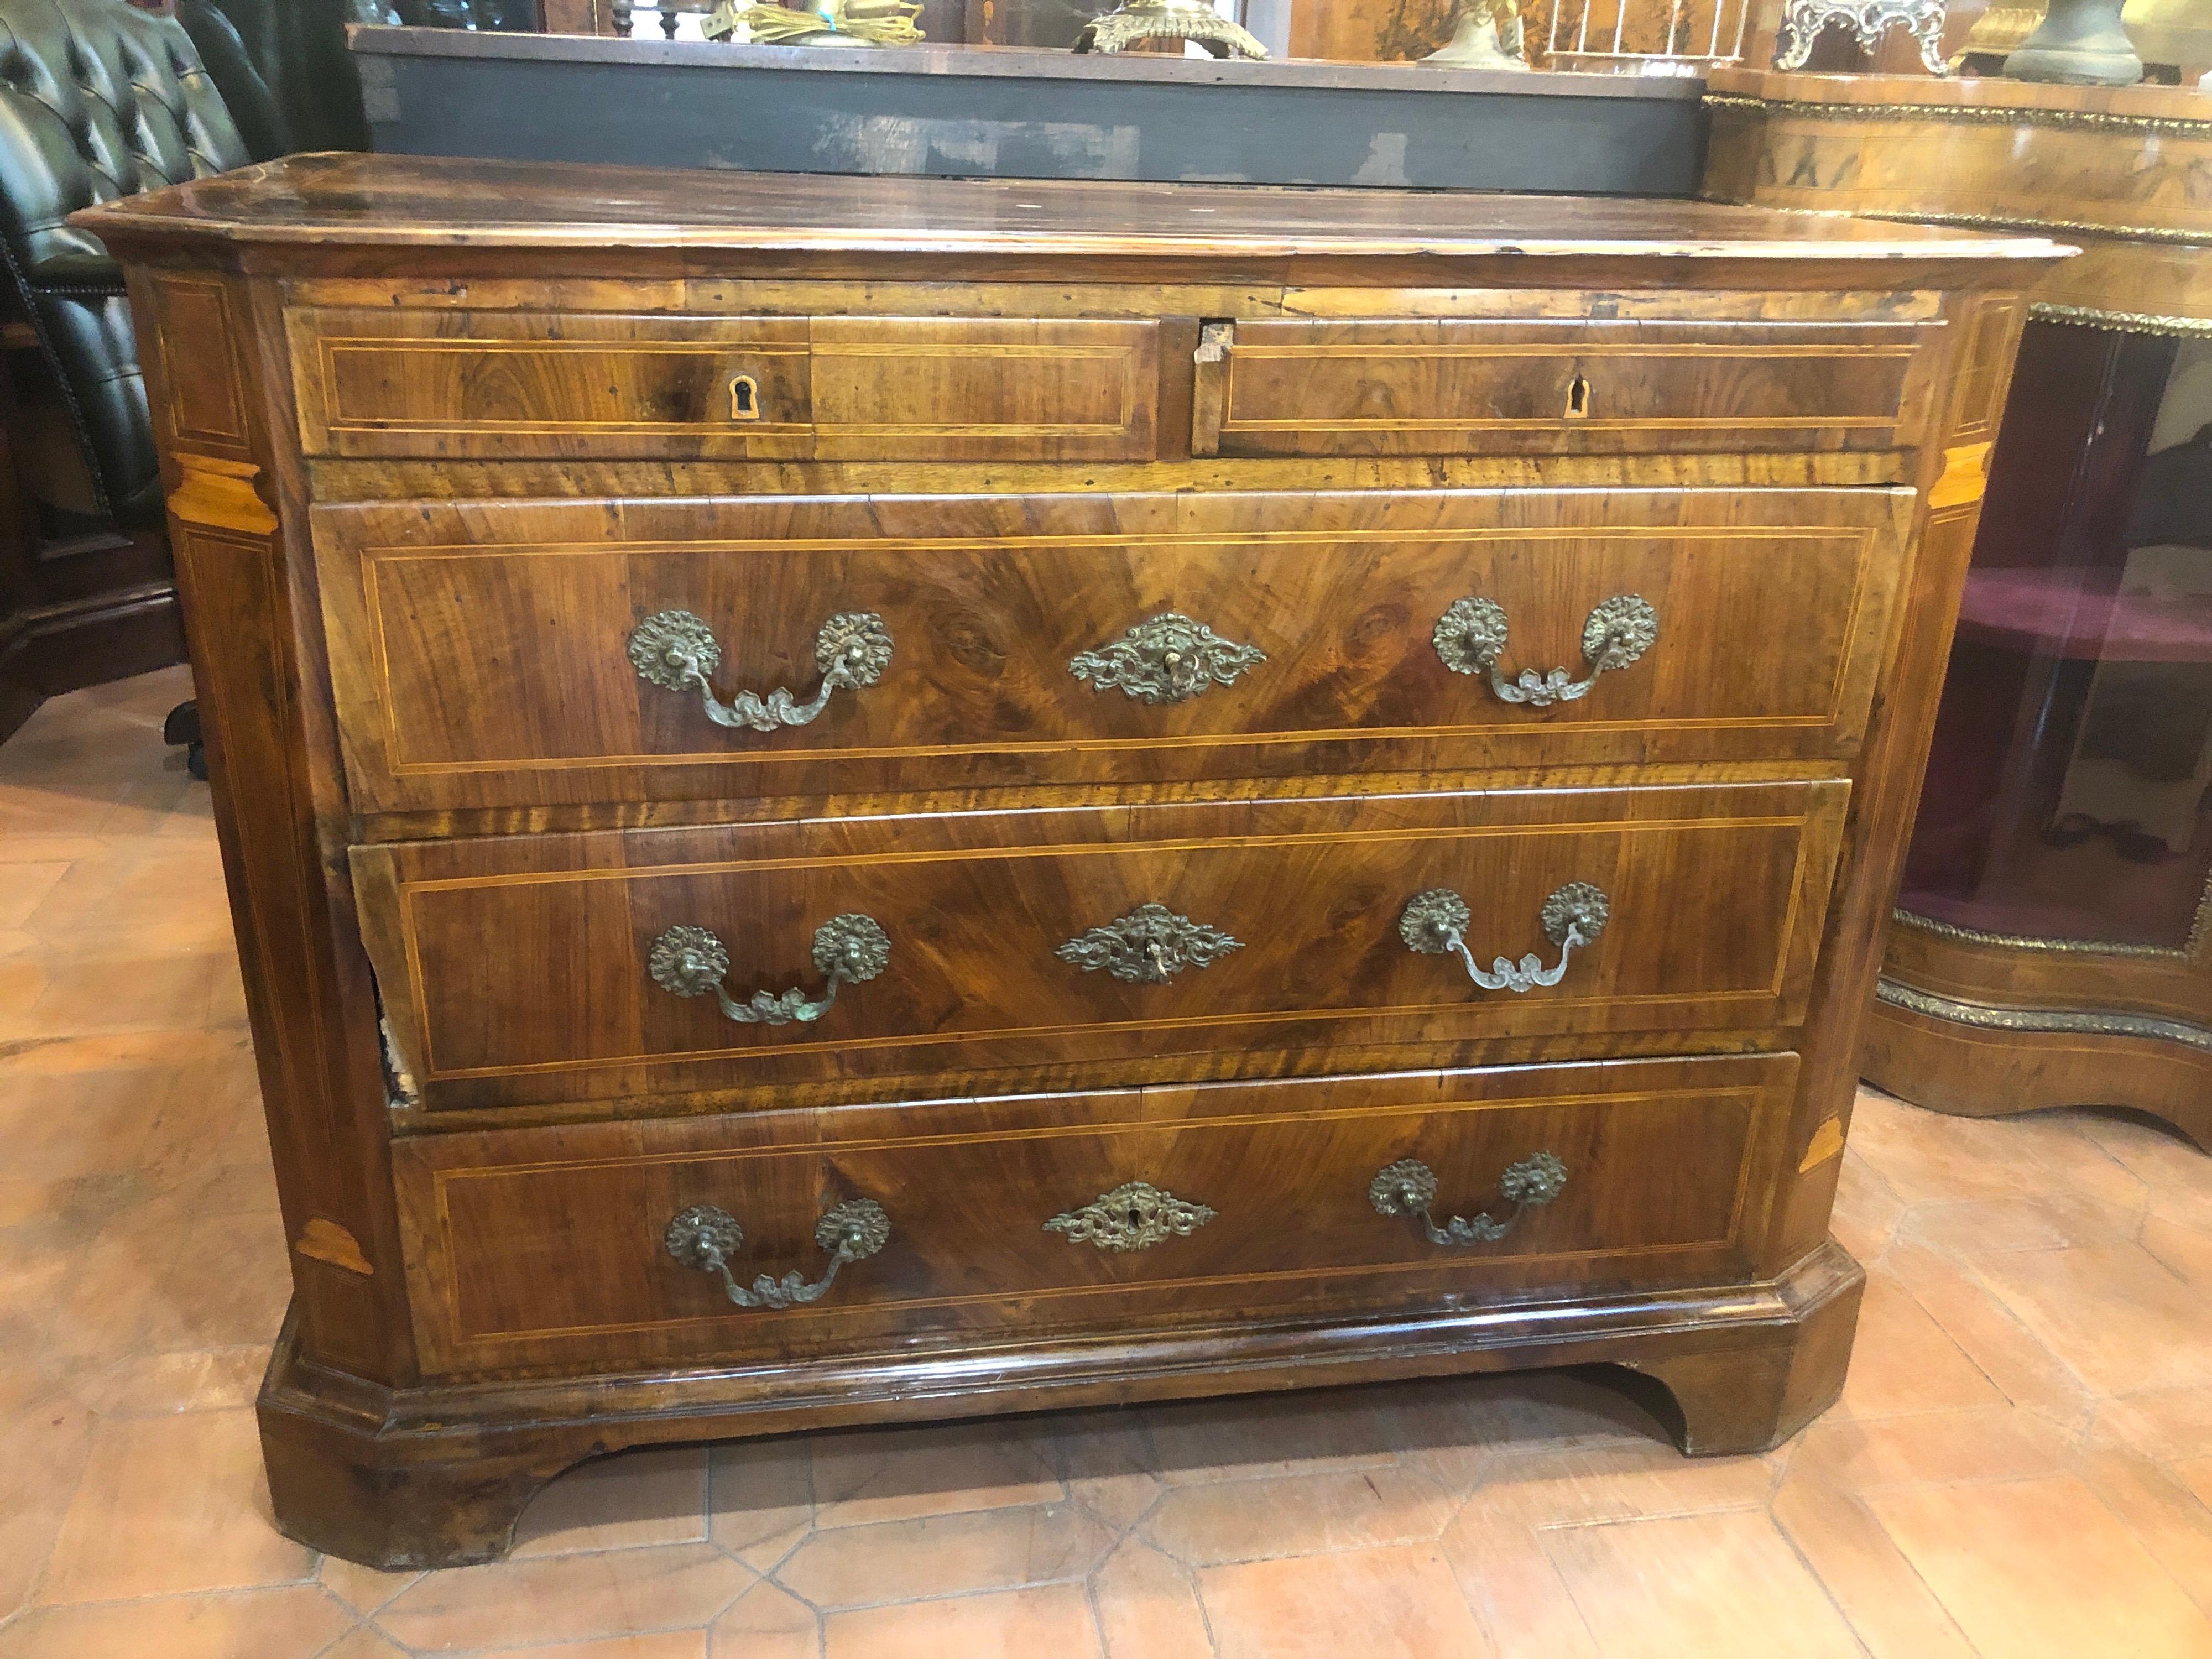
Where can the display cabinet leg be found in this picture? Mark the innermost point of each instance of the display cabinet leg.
(1752, 1397)
(394, 1505)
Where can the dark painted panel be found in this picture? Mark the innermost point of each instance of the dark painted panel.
(817, 120)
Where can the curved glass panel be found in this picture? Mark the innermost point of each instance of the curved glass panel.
(2069, 790)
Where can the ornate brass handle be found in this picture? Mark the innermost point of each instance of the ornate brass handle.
(1471, 638)
(848, 950)
(1409, 1188)
(677, 652)
(705, 1238)
(1170, 659)
(1435, 922)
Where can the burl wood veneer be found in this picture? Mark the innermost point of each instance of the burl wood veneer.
(1128, 634)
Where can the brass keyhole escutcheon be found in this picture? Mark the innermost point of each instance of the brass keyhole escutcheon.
(1578, 397)
(744, 399)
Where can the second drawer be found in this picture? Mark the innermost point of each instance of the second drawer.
(600, 967)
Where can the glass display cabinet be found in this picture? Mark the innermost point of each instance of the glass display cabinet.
(2052, 939)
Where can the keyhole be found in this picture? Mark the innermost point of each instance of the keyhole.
(1578, 399)
(744, 399)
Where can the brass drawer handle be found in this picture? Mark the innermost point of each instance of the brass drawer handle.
(1471, 637)
(677, 652)
(1134, 1216)
(690, 962)
(1170, 659)
(1149, 946)
(1409, 1188)
(1435, 922)
(704, 1239)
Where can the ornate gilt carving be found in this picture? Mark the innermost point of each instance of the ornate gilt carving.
(1868, 20)
(1134, 1216)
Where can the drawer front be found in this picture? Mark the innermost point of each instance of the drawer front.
(483, 654)
(547, 1247)
(553, 968)
(516, 384)
(1596, 387)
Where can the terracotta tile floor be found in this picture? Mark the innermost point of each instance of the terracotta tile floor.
(2021, 1466)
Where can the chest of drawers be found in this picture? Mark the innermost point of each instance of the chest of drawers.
(852, 800)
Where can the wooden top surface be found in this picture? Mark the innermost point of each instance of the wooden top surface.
(1986, 94)
(1016, 63)
(391, 201)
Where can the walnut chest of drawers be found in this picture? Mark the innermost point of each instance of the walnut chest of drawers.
(865, 799)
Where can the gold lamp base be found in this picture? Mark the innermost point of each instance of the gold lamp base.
(826, 23)
(1138, 20)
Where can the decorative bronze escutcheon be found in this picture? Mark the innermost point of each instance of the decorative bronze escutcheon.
(1150, 946)
(1134, 1216)
(1170, 659)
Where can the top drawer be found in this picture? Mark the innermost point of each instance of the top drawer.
(517, 385)
(1582, 386)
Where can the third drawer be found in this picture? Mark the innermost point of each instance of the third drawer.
(604, 967)
(550, 1247)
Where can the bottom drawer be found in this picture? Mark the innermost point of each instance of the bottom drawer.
(550, 1248)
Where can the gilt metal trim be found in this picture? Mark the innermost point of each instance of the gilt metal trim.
(704, 1239)
(1409, 1188)
(693, 961)
(1968, 115)
(1171, 657)
(678, 650)
(2196, 947)
(2027, 224)
(1134, 1216)
(1149, 946)
(2121, 322)
(2091, 1022)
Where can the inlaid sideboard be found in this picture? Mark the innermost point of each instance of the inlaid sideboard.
(864, 799)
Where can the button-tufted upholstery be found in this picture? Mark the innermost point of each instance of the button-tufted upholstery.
(98, 98)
